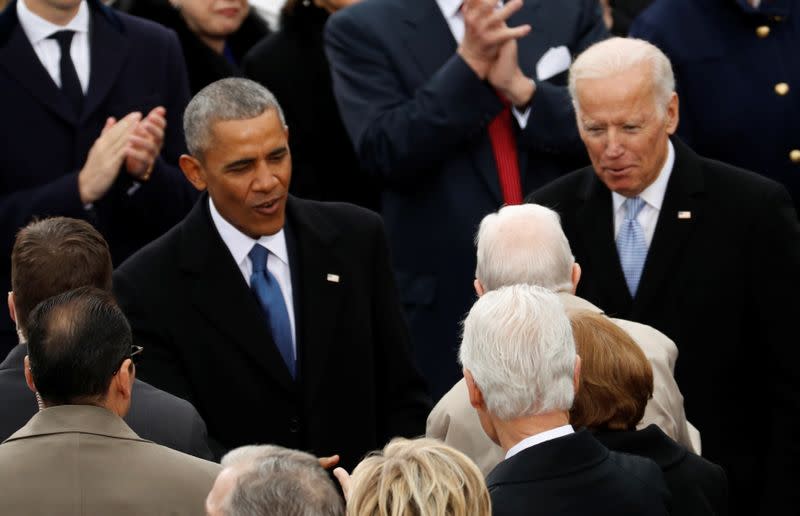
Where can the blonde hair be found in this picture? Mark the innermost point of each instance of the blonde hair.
(420, 477)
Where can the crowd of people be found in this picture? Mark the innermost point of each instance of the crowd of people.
(392, 257)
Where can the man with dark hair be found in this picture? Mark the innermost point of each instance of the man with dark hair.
(82, 455)
(55, 255)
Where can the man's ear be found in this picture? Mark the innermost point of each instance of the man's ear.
(123, 380)
(29, 376)
(475, 394)
(576, 276)
(193, 170)
(478, 287)
(12, 310)
(576, 380)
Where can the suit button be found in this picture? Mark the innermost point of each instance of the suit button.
(762, 31)
(794, 155)
(294, 425)
(781, 88)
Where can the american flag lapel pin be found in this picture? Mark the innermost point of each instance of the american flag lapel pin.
(684, 215)
(333, 278)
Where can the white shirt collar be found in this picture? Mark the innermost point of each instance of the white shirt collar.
(240, 244)
(653, 195)
(449, 8)
(539, 438)
(37, 28)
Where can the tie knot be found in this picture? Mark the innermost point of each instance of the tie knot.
(64, 39)
(258, 255)
(633, 205)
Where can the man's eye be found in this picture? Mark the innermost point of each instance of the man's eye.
(631, 128)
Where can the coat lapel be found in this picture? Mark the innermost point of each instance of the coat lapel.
(222, 296)
(427, 36)
(672, 232)
(21, 62)
(109, 50)
(317, 282)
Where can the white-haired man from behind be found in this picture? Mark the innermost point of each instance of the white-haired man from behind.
(522, 373)
(525, 245)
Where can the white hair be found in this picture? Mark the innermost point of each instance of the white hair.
(523, 244)
(617, 55)
(518, 346)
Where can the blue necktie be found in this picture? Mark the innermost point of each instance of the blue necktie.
(269, 295)
(70, 84)
(631, 245)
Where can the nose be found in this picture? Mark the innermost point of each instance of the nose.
(265, 179)
(614, 146)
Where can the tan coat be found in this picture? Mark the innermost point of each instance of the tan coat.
(84, 460)
(454, 421)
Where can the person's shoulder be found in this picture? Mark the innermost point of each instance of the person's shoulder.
(563, 189)
(341, 215)
(175, 463)
(639, 471)
(158, 254)
(155, 402)
(738, 185)
(376, 13)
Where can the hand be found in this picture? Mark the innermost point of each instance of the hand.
(146, 143)
(328, 462)
(344, 480)
(105, 158)
(485, 31)
(507, 77)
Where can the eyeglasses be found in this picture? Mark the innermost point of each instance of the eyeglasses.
(135, 350)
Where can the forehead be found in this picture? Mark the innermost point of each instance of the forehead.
(630, 94)
(265, 128)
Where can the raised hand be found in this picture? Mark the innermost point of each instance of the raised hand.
(105, 157)
(485, 32)
(145, 144)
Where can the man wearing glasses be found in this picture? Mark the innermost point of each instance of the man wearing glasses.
(85, 459)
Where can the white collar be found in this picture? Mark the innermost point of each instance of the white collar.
(450, 8)
(37, 28)
(240, 244)
(539, 438)
(653, 195)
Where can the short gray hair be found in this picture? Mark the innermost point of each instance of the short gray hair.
(277, 480)
(523, 244)
(617, 55)
(227, 99)
(519, 348)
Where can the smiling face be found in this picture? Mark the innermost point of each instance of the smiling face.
(214, 18)
(246, 170)
(624, 132)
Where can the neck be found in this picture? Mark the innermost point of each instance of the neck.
(513, 431)
(216, 44)
(55, 14)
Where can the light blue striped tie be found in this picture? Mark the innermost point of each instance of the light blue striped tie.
(631, 245)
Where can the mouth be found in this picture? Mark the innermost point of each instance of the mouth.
(230, 12)
(618, 171)
(270, 207)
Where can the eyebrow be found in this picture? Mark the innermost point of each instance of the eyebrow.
(238, 163)
(278, 152)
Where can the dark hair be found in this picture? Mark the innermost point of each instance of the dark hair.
(52, 256)
(616, 378)
(76, 342)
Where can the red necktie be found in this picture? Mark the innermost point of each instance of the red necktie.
(504, 146)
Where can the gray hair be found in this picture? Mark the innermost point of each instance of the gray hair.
(227, 99)
(277, 480)
(523, 244)
(617, 55)
(519, 348)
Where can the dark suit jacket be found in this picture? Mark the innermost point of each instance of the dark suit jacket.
(417, 116)
(135, 66)
(154, 415)
(324, 165)
(207, 340)
(698, 487)
(719, 282)
(576, 475)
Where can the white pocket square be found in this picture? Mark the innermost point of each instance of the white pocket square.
(553, 62)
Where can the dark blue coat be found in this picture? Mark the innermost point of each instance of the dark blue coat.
(417, 116)
(135, 66)
(728, 59)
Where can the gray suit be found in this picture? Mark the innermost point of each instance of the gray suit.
(454, 421)
(84, 460)
(155, 415)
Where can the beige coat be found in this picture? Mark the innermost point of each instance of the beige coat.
(455, 422)
(84, 460)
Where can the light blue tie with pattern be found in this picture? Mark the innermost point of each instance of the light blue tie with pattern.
(631, 245)
(269, 295)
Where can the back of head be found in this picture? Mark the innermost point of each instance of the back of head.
(77, 341)
(616, 55)
(233, 98)
(276, 480)
(421, 477)
(616, 378)
(519, 349)
(523, 244)
(52, 256)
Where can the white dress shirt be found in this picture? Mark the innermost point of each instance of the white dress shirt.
(240, 245)
(653, 197)
(539, 438)
(37, 30)
(451, 9)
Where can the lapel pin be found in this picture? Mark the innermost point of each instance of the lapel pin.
(333, 278)
(684, 215)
